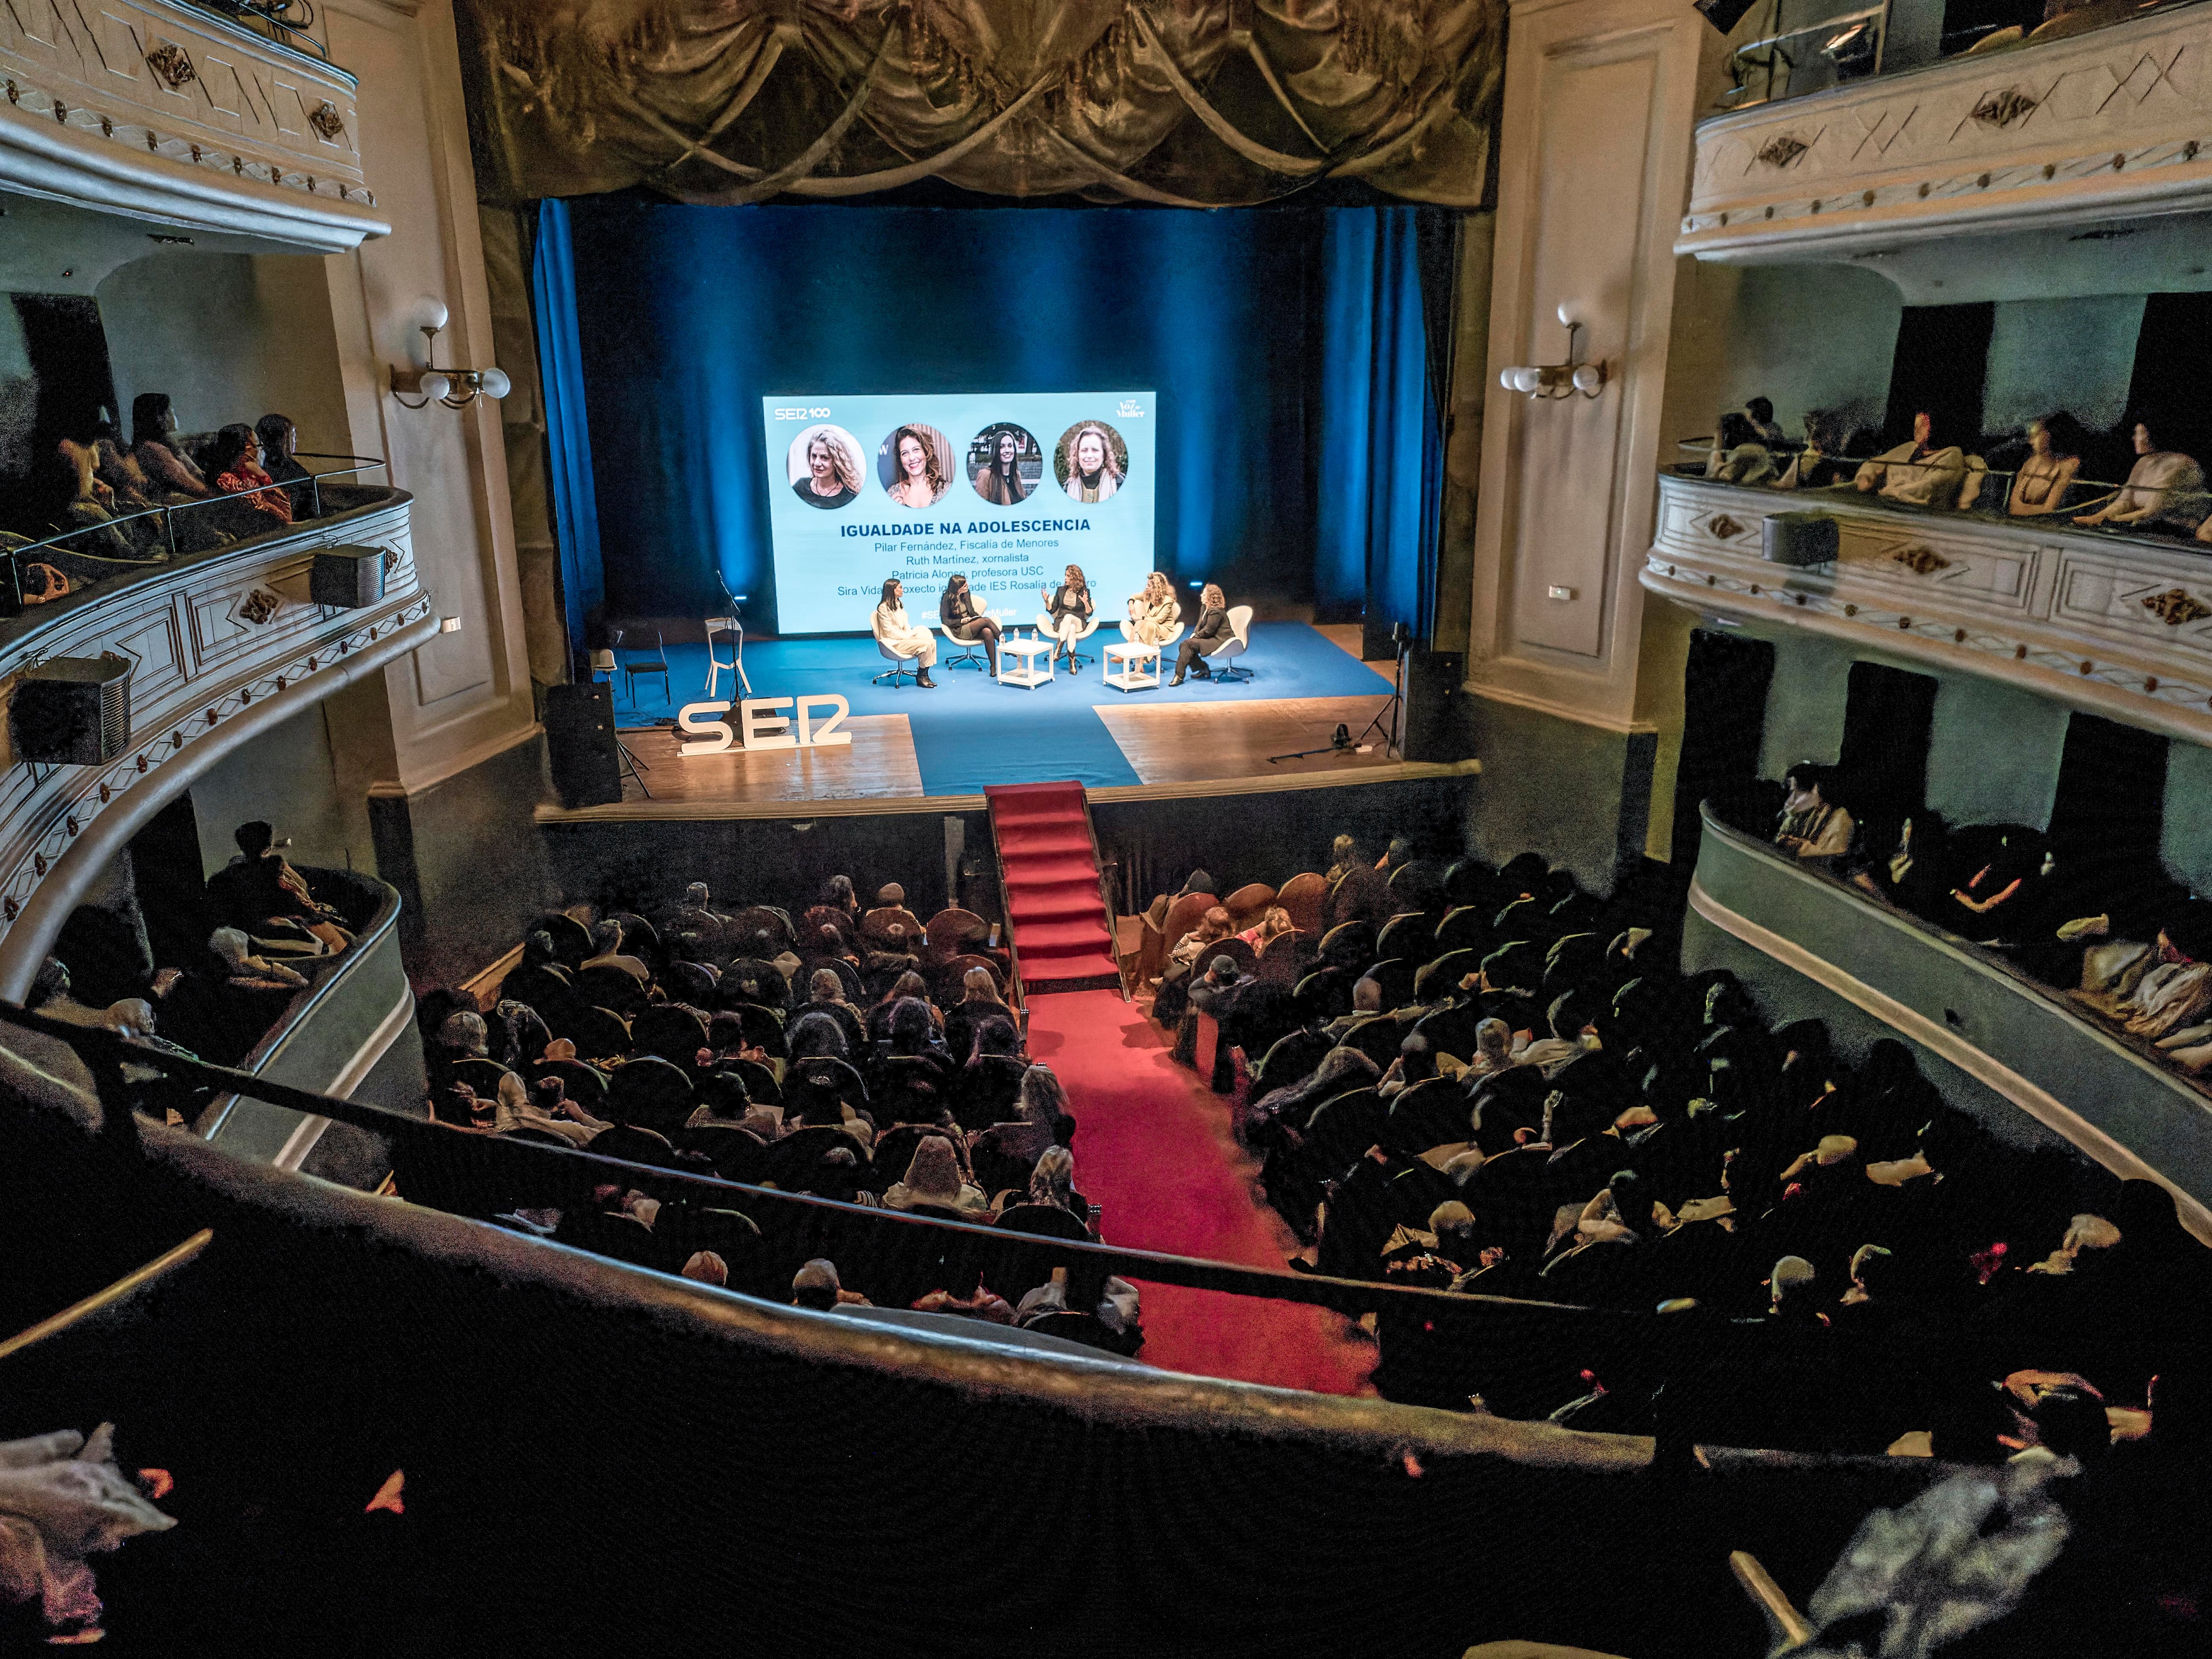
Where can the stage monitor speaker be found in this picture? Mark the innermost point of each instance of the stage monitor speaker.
(347, 578)
(1433, 682)
(1799, 538)
(72, 711)
(579, 744)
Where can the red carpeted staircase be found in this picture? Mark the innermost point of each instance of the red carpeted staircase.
(1049, 867)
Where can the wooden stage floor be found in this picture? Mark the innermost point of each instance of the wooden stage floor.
(1175, 749)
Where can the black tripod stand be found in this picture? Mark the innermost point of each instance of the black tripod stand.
(1386, 718)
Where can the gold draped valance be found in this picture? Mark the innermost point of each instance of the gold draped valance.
(1187, 103)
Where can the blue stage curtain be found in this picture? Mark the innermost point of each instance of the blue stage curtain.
(1381, 449)
(568, 437)
(1287, 348)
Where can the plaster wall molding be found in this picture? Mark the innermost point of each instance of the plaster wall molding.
(2109, 124)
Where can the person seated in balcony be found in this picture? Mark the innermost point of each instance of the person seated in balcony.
(1742, 453)
(932, 1182)
(2165, 490)
(1812, 826)
(260, 892)
(2054, 459)
(280, 445)
(1183, 961)
(1921, 473)
(1274, 921)
(979, 1001)
(235, 463)
(119, 470)
(244, 970)
(1827, 460)
(154, 447)
(88, 503)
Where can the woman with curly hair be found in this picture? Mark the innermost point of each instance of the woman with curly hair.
(833, 472)
(1092, 473)
(921, 477)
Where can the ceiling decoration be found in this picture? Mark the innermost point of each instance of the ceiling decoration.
(1188, 103)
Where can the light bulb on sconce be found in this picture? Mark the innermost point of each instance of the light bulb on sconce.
(454, 387)
(1551, 380)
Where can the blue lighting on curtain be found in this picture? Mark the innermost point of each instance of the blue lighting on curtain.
(561, 372)
(680, 319)
(1375, 539)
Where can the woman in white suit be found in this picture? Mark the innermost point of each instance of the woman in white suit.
(901, 637)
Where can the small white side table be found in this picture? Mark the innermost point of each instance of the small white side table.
(1139, 669)
(1028, 650)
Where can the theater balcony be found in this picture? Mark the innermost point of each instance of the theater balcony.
(2118, 624)
(219, 647)
(2035, 145)
(1817, 948)
(349, 1033)
(202, 117)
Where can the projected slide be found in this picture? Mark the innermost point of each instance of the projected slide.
(1008, 488)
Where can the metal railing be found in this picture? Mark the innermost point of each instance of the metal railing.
(1786, 454)
(68, 542)
(455, 1158)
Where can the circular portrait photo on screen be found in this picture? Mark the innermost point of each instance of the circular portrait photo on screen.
(1004, 463)
(1092, 461)
(915, 463)
(824, 463)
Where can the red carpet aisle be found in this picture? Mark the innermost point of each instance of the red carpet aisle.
(1153, 1147)
(1058, 918)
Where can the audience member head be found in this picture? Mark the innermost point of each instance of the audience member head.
(1222, 970)
(1493, 1042)
(132, 1017)
(1042, 1101)
(234, 445)
(976, 984)
(1053, 1179)
(280, 438)
(996, 1037)
(463, 1034)
(824, 986)
(254, 837)
(52, 981)
(817, 1035)
(549, 1095)
(1808, 783)
(1274, 923)
(837, 893)
(910, 1027)
(1632, 1201)
(1366, 995)
(538, 948)
(908, 987)
(1417, 1058)
(890, 897)
(1214, 924)
(707, 1267)
(1342, 851)
(152, 419)
(816, 1284)
(2069, 1420)
(1453, 1223)
(606, 937)
(1400, 851)
(1792, 1273)
(933, 1175)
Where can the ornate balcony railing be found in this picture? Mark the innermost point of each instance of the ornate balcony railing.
(2119, 624)
(222, 645)
(174, 112)
(2104, 125)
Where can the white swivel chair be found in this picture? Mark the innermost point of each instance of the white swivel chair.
(1239, 640)
(1167, 643)
(1076, 657)
(900, 666)
(959, 653)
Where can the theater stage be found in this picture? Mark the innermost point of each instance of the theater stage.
(915, 748)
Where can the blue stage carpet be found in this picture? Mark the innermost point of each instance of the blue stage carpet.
(972, 732)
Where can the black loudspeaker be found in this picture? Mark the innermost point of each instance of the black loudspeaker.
(348, 577)
(1799, 538)
(579, 744)
(72, 711)
(1434, 680)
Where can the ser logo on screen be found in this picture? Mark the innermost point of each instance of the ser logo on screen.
(800, 412)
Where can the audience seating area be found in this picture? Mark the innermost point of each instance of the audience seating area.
(1489, 1082)
(861, 1055)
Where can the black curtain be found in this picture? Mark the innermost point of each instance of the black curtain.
(1888, 714)
(72, 384)
(2173, 365)
(1724, 720)
(2112, 791)
(1942, 361)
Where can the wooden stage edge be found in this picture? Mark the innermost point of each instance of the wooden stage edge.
(711, 811)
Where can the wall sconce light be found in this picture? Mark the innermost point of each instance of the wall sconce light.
(1558, 380)
(456, 388)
